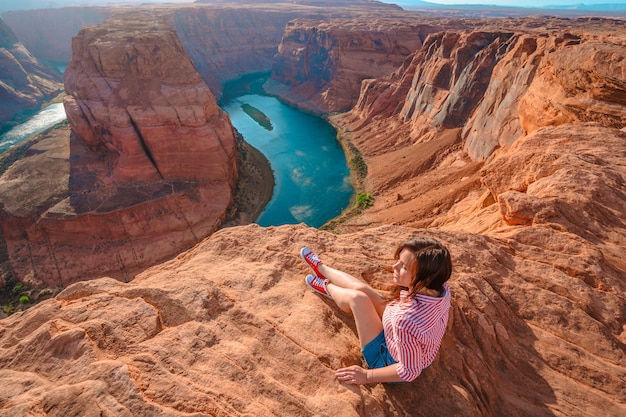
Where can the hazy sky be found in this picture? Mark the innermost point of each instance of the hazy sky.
(525, 3)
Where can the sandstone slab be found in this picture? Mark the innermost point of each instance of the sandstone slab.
(229, 328)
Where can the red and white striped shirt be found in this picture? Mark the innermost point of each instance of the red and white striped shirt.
(414, 328)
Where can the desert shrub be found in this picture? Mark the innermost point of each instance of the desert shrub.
(24, 299)
(364, 200)
(359, 166)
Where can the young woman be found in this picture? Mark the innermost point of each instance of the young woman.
(400, 336)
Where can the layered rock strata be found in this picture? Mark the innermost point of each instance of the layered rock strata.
(25, 84)
(320, 64)
(463, 96)
(223, 41)
(229, 328)
(227, 42)
(498, 85)
(152, 162)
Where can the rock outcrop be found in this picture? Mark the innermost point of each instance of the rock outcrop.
(152, 162)
(226, 43)
(134, 93)
(25, 84)
(498, 85)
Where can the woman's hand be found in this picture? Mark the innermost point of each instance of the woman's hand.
(354, 375)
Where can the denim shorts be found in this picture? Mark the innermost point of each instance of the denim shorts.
(376, 354)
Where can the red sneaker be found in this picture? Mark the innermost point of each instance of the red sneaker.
(312, 260)
(318, 285)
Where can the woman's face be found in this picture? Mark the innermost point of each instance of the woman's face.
(404, 268)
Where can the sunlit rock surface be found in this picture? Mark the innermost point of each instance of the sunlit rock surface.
(432, 124)
(229, 328)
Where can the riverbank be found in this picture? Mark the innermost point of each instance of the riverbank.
(255, 186)
(26, 115)
(49, 115)
(358, 174)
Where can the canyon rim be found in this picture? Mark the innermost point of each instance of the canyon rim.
(503, 138)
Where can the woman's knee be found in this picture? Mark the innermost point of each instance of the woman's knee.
(359, 285)
(359, 298)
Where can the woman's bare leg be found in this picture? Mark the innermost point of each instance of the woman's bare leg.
(344, 280)
(368, 320)
(350, 294)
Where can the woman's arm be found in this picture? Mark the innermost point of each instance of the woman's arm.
(356, 375)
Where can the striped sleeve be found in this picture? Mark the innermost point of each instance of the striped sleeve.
(410, 356)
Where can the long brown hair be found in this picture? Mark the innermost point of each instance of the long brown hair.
(433, 265)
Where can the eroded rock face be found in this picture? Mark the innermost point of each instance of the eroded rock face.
(226, 43)
(537, 233)
(148, 170)
(25, 84)
(320, 64)
(498, 86)
(137, 98)
(577, 82)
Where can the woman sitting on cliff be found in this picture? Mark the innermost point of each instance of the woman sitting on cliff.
(401, 336)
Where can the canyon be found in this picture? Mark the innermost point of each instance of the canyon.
(503, 138)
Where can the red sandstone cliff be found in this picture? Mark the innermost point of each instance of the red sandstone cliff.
(229, 328)
(320, 64)
(226, 43)
(481, 90)
(151, 162)
(223, 42)
(138, 96)
(463, 96)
